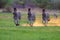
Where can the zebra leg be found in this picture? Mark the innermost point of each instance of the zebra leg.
(31, 23)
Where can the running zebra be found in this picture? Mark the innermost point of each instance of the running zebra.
(16, 16)
(31, 17)
(45, 17)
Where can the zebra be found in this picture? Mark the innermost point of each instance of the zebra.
(45, 17)
(31, 17)
(16, 16)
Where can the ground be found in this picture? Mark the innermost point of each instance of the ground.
(52, 22)
(8, 30)
(29, 33)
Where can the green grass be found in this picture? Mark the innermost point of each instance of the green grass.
(8, 30)
(28, 33)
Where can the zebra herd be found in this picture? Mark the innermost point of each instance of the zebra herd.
(31, 17)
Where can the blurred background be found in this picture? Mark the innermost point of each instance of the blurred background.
(52, 7)
(48, 4)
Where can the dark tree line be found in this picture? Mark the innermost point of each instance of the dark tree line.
(39, 3)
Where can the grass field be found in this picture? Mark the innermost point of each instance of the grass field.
(8, 30)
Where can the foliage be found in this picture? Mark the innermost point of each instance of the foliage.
(39, 3)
